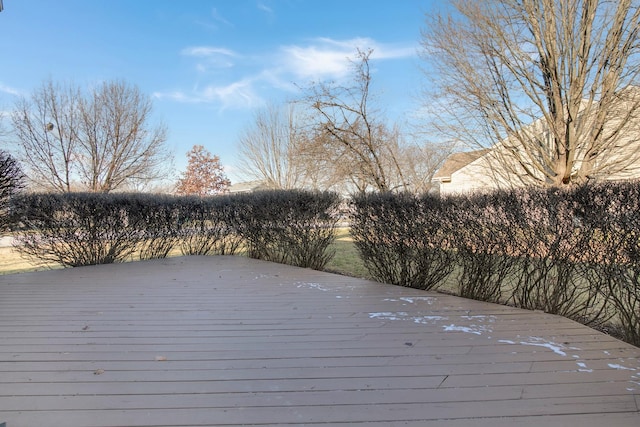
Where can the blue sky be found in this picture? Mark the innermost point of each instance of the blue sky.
(210, 64)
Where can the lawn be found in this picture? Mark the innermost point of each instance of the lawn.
(11, 262)
(346, 260)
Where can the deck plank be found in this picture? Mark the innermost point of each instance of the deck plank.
(222, 341)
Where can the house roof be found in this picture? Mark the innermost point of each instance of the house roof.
(246, 187)
(457, 161)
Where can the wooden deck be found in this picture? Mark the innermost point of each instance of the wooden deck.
(220, 341)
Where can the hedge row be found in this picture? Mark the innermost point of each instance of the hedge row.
(573, 252)
(76, 229)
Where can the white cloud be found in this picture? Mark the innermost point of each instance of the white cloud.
(315, 63)
(175, 96)
(273, 78)
(219, 18)
(237, 95)
(319, 60)
(322, 59)
(265, 8)
(205, 51)
(240, 94)
(9, 90)
(213, 22)
(212, 57)
(326, 58)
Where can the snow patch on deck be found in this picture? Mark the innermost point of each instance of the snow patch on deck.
(427, 320)
(582, 367)
(412, 300)
(403, 315)
(387, 315)
(541, 342)
(474, 329)
(316, 286)
(620, 367)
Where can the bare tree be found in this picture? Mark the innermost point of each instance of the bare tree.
(204, 175)
(325, 168)
(118, 143)
(419, 163)
(352, 129)
(269, 145)
(97, 142)
(345, 170)
(550, 84)
(46, 127)
(11, 182)
(340, 143)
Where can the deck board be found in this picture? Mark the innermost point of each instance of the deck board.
(223, 341)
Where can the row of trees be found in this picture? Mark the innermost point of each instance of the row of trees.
(100, 140)
(103, 140)
(336, 137)
(552, 85)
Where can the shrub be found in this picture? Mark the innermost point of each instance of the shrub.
(75, 229)
(293, 227)
(482, 236)
(402, 238)
(552, 247)
(612, 211)
(158, 217)
(203, 226)
(573, 252)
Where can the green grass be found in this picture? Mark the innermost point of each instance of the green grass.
(346, 261)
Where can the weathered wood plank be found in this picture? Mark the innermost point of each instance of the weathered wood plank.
(257, 399)
(336, 413)
(232, 341)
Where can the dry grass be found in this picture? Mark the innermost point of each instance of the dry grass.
(12, 262)
(346, 260)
